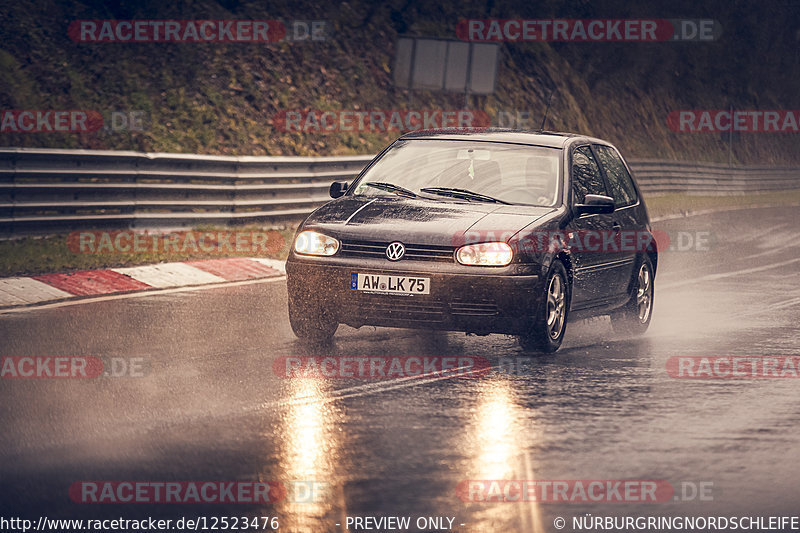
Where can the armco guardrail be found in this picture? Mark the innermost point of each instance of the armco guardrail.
(46, 190)
(42, 190)
(665, 177)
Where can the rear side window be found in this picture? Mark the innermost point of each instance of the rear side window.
(586, 177)
(619, 179)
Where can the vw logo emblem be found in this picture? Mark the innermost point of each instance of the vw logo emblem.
(395, 251)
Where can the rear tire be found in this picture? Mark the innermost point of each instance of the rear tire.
(550, 326)
(311, 322)
(634, 317)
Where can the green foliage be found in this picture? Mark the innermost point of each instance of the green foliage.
(221, 98)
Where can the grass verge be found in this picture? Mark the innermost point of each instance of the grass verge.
(674, 204)
(61, 252)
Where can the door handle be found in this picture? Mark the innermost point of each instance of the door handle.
(616, 227)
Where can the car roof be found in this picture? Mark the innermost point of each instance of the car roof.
(550, 139)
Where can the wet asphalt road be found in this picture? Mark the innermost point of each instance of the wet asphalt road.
(210, 406)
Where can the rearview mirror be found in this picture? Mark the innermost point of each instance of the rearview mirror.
(595, 204)
(338, 188)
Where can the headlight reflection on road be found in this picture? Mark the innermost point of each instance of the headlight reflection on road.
(309, 431)
(502, 435)
(495, 432)
(310, 453)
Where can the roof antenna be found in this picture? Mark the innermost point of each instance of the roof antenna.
(547, 109)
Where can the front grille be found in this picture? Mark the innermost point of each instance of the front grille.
(421, 310)
(473, 308)
(418, 252)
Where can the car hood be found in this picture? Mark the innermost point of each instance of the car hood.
(420, 221)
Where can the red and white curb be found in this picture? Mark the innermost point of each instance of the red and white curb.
(23, 291)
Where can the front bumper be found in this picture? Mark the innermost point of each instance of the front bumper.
(476, 300)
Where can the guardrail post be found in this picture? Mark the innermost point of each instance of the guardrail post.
(135, 183)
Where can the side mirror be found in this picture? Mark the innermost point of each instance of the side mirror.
(595, 204)
(338, 188)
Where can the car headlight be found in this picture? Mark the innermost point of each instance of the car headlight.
(313, 243)
(485, 254)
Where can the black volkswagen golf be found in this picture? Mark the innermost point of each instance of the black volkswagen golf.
(483, 232)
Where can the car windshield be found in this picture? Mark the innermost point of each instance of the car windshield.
(466, 171)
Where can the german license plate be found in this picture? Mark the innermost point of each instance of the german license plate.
(385, 283)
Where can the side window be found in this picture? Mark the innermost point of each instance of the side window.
(619, 179)
(586, 177)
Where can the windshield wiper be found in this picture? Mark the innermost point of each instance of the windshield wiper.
(464, 194)
(391, 187)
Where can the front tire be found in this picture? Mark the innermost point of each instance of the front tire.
(311, 322)
(634, 317)
(550, 326)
